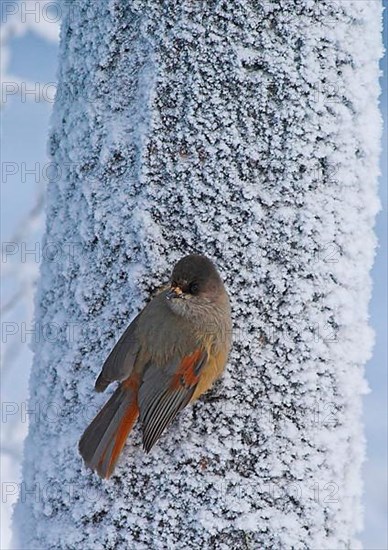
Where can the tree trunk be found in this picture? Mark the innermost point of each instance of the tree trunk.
(249, 132)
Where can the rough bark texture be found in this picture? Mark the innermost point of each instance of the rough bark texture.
(247, 131)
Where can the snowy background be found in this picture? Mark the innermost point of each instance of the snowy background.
(28, 65)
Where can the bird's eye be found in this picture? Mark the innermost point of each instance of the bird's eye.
(194, 287)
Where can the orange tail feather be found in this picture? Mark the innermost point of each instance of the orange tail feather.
(103, 440)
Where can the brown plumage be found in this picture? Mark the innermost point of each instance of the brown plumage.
(169, 355)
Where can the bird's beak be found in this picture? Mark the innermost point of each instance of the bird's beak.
(174, 292)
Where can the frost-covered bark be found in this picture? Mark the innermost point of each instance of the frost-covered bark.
(248, 131)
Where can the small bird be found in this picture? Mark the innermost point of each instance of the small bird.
(170, 354)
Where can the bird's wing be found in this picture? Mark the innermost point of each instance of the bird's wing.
(166, 391)
(120, 362)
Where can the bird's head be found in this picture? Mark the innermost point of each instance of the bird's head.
(194, 285)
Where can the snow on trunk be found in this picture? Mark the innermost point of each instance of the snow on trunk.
(248, 131)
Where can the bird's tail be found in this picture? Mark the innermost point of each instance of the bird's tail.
(103, 440)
